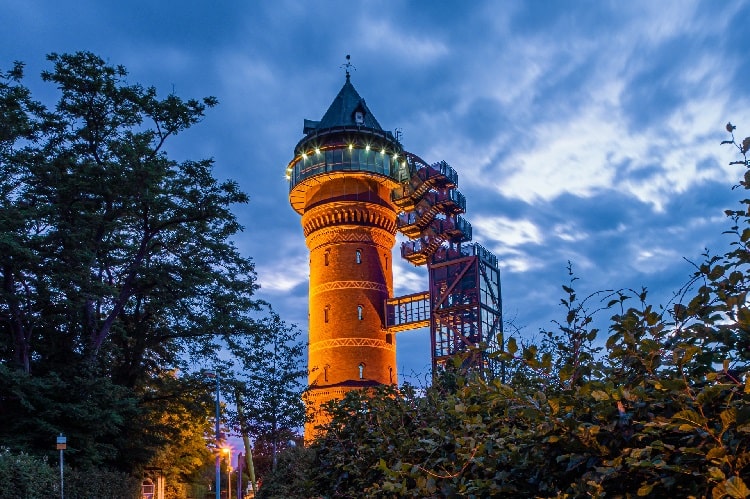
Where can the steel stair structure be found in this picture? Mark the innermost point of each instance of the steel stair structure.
(431, 205)
(454, 229)
(462, 307)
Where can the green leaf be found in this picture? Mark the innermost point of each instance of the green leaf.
(554, 404)
(716, 473)
(692, 418)
(743, 315)
(728, 417)
(566, 372)
(716, 453)
(735, 487)
(511, 346)
(645, 490)
(600, 395)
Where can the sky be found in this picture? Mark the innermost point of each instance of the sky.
(582, 131)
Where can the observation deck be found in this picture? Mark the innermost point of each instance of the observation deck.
(343, 151)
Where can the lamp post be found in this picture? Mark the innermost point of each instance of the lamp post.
(228, 451)
(215, 375)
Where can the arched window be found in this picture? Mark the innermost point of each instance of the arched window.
(390, 373)
(358, 256)
(361, 370)
(326, 257)
(360, 312)
(326, 313)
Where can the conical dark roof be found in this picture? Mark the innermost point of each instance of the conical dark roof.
(342, 112)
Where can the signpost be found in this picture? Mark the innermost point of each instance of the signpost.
(61, 446)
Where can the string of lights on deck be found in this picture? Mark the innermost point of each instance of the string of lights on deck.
(350, 146)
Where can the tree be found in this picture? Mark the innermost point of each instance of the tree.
(183, 457)
(269, 388)
(116, 262)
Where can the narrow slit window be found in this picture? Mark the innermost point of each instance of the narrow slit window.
(360, 312)
(361, 370)
(326, 257)
(326, 313)
(358, 256)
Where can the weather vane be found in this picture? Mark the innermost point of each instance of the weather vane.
(348, 65)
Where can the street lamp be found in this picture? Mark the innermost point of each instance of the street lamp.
(228, 452)
(215, 375)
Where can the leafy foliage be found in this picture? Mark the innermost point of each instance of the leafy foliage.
(22, 475)
(663, 410)
(117, 270)
(268, 389)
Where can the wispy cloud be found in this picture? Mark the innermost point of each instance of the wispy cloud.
(383, 36)
(506, 231)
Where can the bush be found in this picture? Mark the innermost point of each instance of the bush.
(25, 476)
(663, 411)
(28, 477)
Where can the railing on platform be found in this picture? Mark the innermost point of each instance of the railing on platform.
(407, 312)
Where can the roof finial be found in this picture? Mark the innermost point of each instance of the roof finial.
(348, 65)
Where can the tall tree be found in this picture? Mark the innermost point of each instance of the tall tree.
(116, 261)
(21, 123)
(270, 383)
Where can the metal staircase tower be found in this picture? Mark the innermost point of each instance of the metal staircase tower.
(463, 306)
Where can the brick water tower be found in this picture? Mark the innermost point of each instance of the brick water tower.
(341, 179)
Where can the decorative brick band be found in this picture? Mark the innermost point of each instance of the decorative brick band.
(330, 286)
(336, 235)
(365, 214)
(351, 342)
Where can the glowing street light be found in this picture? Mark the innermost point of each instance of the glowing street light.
(228, 452)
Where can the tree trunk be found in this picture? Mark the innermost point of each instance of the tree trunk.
(246, 442)
(21, 337)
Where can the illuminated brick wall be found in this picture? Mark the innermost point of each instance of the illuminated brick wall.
(349, 225)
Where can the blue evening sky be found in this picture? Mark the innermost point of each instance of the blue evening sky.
(582, 131)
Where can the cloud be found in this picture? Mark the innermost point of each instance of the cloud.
(507, 232)
(569, 115)
(652, 259)
(283, 276)
(518, 263)
(408, 279)
(403, 44)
